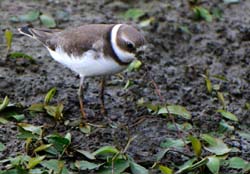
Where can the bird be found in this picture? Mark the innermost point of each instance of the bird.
(91, 50)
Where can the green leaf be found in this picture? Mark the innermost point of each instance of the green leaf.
(42, 147)
(4, 104)
(221, 98)
(216, 87)
(2, 147)
(36, 171)
(34, 161)
(50, 94)
(38, 107)
(135, 65)
(247, 168)
(17, 55)
(85, 128)
(87, 154)
(216, 146)
(205, 14)
(220, 77)
(18, 160)
(151, 107)
(225, 127)
(3, 120)
(227, 115)
(192, 167)
(247, 105)
(217, 12)
(106, 150)
(68, 137)
(213, 164)
(59, 142)
(8, 37)
(53, 151)
(15, 171)
(18, 117)
(209, 139)
(237, 163)
(85, 165)
(231, 1)
(184, 29)
(175, 126)
(23, 134)
(172, 143)
(55, 165)
(165, 170)
(196, 144)
(29, 16)
(187, 163)
(147, 22)
(202, 13)
(208, 84)
(133, 14)
(161, 154)
(55, 111)
(137, 169)
(31, 128)
(59, 110)
(176, 110)
(128, 84)
(27, 143)
(48, 21)
(141, 102)
(13, 114)
(120, 166)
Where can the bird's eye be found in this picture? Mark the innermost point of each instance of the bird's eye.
(130, 45)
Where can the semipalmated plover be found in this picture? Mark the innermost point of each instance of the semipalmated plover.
(91, 50)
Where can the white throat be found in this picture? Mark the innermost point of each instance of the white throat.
(124, 56)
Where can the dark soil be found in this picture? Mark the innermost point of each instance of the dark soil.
(174, 59)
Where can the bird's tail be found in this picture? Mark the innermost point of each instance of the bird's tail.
(27, 30)
(39, 34)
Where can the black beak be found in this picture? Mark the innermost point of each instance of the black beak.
(140, 51)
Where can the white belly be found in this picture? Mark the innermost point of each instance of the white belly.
(89, 64)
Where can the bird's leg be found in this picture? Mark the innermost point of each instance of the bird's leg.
(80, 97)
(101, 96)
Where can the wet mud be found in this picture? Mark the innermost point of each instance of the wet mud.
(175, 59)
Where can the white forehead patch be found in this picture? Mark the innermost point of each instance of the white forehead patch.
(124, 37)
(124, 56)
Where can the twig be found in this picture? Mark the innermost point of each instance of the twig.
(128, 144)
(113, 162)
(122, 152)
(158, 92)
(182, 153)
(138, 121)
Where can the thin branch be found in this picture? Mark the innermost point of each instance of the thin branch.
(158, 92)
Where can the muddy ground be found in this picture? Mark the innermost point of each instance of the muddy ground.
(174, 59)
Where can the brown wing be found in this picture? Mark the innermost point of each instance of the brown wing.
(73, 41)
(77, 40)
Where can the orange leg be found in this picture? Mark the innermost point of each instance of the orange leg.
(80, 97)
(101, 96)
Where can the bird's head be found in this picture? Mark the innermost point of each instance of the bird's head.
(127, 42)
